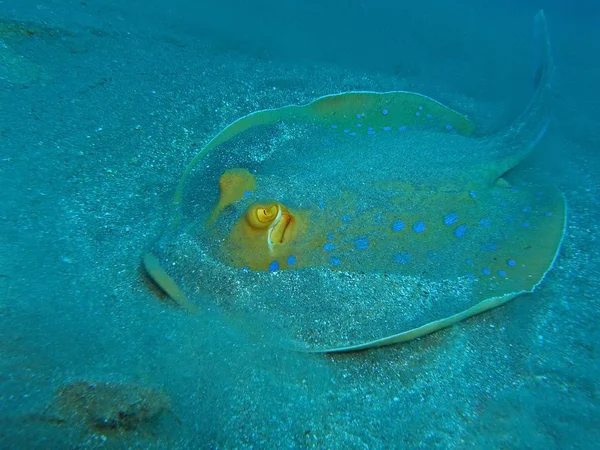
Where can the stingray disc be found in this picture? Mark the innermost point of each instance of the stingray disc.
(361, 219)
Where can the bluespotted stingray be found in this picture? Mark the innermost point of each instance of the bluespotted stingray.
(361, 219)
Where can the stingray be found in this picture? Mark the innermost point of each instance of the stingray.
(361, 219)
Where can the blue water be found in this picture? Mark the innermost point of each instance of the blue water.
(102, 103)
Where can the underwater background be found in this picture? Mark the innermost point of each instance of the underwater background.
(102, 105)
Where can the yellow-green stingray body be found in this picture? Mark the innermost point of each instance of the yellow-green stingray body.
(407, 221)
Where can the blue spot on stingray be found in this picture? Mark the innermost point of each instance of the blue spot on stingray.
(334, 126)
(371, 132)
(346, 130)
(398, 225)
(450, 218)
(402, 258)
(291, 260)
(432, 255)
(448, 127)
(385, 112)
(486, 271)
(418, 114)
(460, 231)
(359, 116)
(525, 224)
(329, 246)
(330, 237)
(387, 128)
(419, 227)
(403, 128)
(352, 134)
(420, 108)
(274, 266)
(361, 244)
(321, 205)
(511, 262)
(492, 246)
(429, 116)
(473, 194)
(335, 261)
(527, 209)
(469, 262)
(548, 214)
(502, 273)
(247, 193)
(245, 269)
(359, 125)
(345, 218)
(485, 222)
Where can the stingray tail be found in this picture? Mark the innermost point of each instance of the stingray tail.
(523, 135)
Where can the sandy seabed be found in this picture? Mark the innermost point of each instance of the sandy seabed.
(96, 127)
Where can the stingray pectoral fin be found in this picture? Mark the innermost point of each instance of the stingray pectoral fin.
(547, 243)
(426, 329)
(166, 283)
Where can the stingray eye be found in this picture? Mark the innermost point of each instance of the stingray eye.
(268, 214)
(261, 216)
